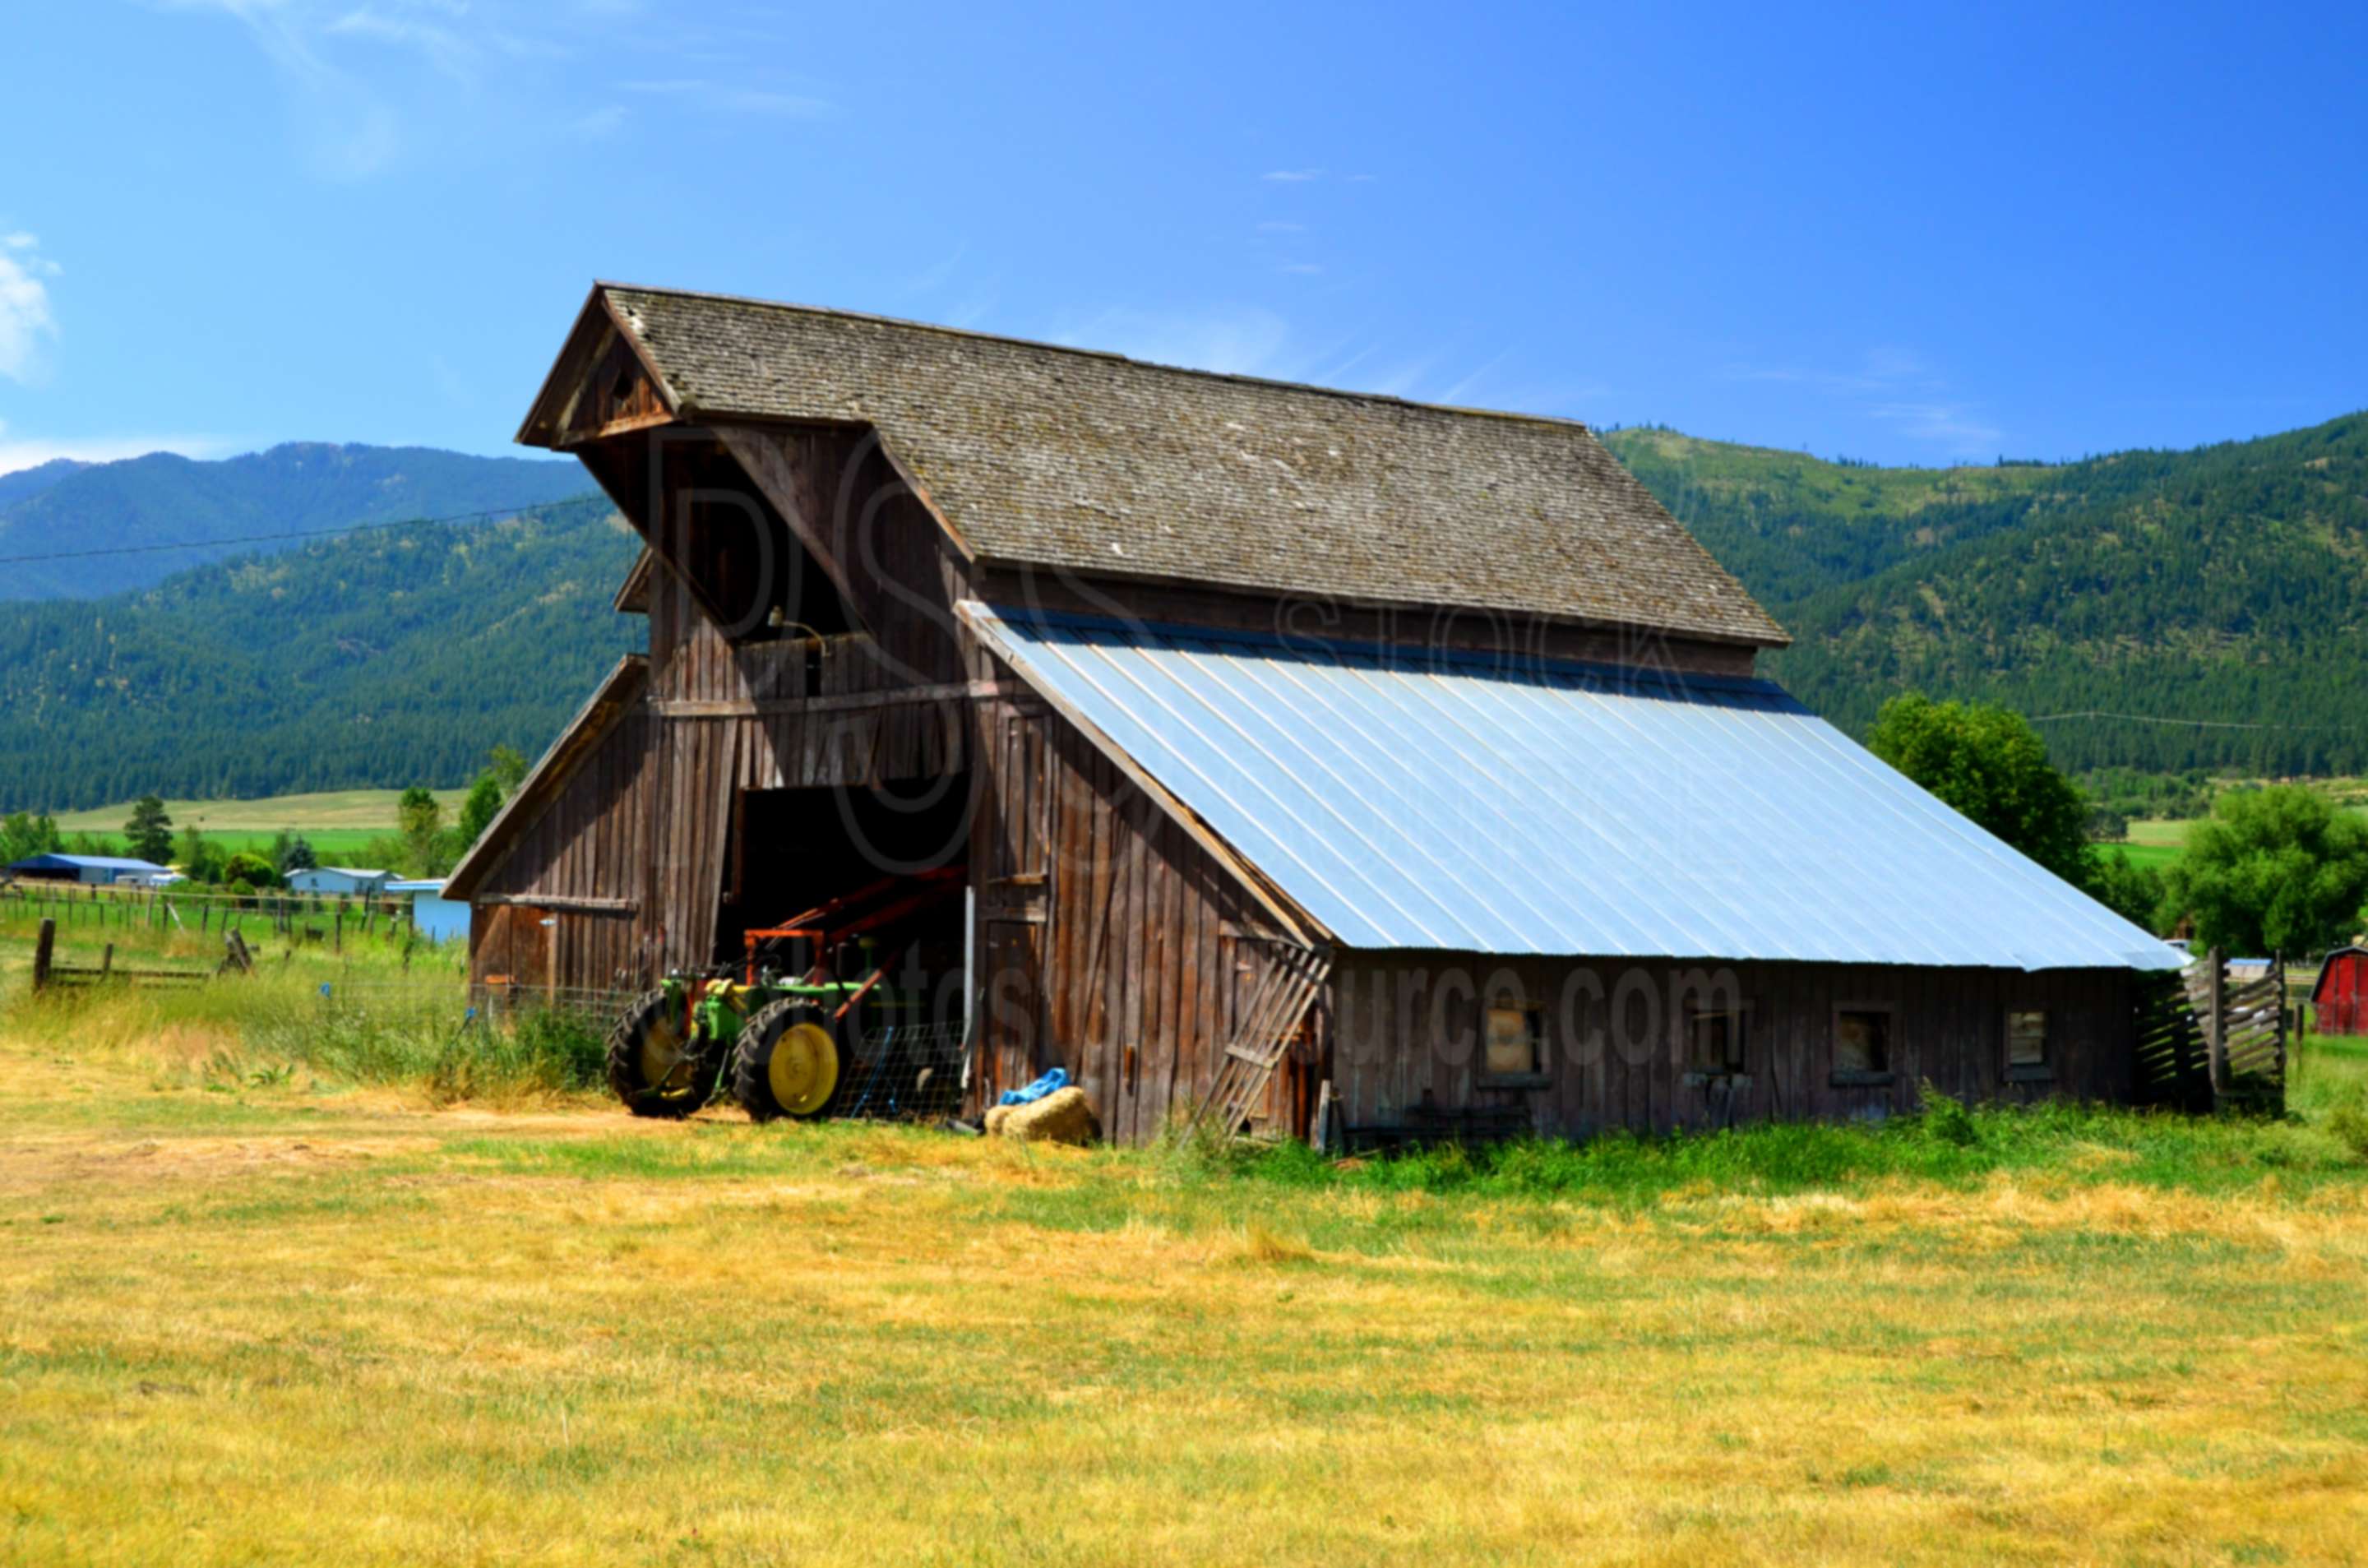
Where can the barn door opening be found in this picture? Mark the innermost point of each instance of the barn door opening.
(869, 878)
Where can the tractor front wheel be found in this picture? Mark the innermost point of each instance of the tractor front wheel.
(656, 1065)
(787, 1061)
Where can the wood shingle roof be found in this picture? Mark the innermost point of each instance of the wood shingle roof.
(1065, 458)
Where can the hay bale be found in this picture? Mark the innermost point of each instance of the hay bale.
(1062, 1116)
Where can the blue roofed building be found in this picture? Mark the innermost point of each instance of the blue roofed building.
(95, 871)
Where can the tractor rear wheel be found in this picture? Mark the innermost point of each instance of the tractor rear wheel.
(787, 1061)
(655, 1064)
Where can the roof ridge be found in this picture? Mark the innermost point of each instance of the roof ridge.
(1238, 378)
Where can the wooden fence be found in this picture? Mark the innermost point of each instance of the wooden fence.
(321, 917)
(2208, 1039)
(48, 973)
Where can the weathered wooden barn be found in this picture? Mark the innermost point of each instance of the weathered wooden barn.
(1292, 745)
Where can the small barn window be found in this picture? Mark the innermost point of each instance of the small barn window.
(1515, 1048)
(1861, 1044)
(2026, 1045)
(1714, 1042)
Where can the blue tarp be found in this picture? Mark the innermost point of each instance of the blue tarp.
(1503, 805)
(1057, 1079)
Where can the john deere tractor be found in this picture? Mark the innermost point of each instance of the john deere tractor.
(783, 1045)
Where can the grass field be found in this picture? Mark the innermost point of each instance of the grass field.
(2158, 842)
(338, 823)
(275, 1297)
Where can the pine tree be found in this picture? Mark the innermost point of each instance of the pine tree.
(149, 830)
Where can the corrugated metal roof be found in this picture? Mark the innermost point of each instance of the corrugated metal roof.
(1472, 804)
(50, 860)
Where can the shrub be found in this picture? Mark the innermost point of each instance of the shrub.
(2349, 1122)
(1946, 1118)
(252, 870)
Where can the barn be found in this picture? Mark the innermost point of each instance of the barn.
(1250, 745)
(2338, 998)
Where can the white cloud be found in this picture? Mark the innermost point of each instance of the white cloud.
(1953, 426)
(1302, 268)
(600, 125)
(1292, 176)
(415, 27)
(1232, 340)
(1464, 385)
(1280, 228)
(25, 319)
(375, 83)
(1896, 387)
(727, 98)
(32, 451)
(936, 275)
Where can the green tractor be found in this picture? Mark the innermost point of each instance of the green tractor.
(782, 1045)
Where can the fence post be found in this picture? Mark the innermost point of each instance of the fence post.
(43, 946)
(107, 962)
(2216, 1025)
(2280, 1024)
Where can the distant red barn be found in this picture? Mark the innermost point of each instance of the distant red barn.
(2340, 1001)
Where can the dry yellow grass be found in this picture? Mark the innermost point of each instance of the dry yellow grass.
(279, 1327)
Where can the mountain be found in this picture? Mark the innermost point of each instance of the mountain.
(2226, 589)
(2157, 611)
(40, 477)
(163, 499)
(389, 657)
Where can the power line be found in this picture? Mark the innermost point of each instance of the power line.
(2152, 719)
(300, 533)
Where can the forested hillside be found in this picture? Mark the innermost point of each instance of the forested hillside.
(385, 657)
(64, 512)
(32, 481)
(2227, 585)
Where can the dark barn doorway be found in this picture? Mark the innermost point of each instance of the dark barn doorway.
(887, 867)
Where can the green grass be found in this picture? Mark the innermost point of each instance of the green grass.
(266, 1323)
(340, 822)
(2140, 853)
(289, 1283)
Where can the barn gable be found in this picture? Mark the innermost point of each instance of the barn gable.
(1029, 453)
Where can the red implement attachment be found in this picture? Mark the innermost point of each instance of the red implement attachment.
(869, 909)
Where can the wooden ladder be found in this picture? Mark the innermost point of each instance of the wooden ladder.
(1294, 976)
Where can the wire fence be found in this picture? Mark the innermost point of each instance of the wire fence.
(329, 919)
(904, 1073)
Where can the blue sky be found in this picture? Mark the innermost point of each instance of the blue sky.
(1945, 235)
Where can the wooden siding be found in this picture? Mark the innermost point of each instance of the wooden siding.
(644, 819)
(586, 849)
(1113, 944)
(1408, 1033)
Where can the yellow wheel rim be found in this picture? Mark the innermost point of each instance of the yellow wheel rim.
(803, 1069)
(661, 1055)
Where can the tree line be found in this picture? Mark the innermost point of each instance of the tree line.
(420, 843)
